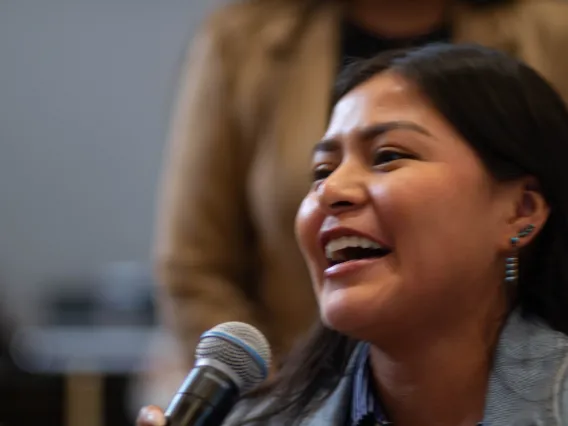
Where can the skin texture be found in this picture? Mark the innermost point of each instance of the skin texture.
(391, 168)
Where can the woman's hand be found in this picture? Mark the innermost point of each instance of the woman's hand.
(151, 416)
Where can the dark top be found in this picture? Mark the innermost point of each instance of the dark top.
(358, 43)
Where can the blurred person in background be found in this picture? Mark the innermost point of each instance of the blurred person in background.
(254, 97)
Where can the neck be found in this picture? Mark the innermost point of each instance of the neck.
(398, 18)
(441, 382)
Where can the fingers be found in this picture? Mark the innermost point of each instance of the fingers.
(151, 416)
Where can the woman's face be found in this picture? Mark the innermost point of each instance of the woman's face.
(403, 226)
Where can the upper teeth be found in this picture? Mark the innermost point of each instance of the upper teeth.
(332, 247)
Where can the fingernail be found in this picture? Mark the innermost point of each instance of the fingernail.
(154, 417)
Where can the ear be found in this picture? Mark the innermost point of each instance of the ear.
(529, 209)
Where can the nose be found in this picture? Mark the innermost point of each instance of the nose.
(343, 190)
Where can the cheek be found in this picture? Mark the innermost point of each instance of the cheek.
(308, 223)
(435, 217)
(429, 197)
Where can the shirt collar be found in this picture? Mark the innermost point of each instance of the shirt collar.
(365, 407)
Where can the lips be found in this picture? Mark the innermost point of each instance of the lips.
(344, 245)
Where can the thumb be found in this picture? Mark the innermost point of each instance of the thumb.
(151, 416)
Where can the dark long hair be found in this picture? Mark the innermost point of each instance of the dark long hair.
(518, 125)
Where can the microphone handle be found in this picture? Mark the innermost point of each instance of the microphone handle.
(205, 398)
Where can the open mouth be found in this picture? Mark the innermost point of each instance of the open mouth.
(351, 248)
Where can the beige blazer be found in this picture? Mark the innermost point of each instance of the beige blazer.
(255, 97)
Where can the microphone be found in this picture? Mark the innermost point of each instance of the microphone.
(231, 359)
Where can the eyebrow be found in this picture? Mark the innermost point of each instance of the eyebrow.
(371, 132)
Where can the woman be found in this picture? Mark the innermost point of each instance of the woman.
(256, 95)
(436, 235)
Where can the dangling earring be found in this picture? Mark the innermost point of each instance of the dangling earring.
(512, 262)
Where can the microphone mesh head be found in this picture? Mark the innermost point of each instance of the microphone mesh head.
(241, 348)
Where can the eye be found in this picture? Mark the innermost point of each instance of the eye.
(385, 156)
(321, 172)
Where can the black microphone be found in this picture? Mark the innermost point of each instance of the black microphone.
(231, 359)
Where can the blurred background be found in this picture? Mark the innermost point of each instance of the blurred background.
(86, 89)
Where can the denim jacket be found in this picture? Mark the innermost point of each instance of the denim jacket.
(528, 384)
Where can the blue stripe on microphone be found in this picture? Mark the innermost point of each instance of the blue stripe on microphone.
(254, 354)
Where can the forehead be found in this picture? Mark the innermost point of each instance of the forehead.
(383, 98)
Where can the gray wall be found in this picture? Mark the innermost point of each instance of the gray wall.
(85, 91)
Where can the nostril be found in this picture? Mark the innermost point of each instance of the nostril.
(339, 204)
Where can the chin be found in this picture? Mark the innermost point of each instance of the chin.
(346, 316)
(368, 316)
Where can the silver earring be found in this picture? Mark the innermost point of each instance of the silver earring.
(512, 262)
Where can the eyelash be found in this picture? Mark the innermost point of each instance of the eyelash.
(382, 153)
(381, 158)
(320, 173)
